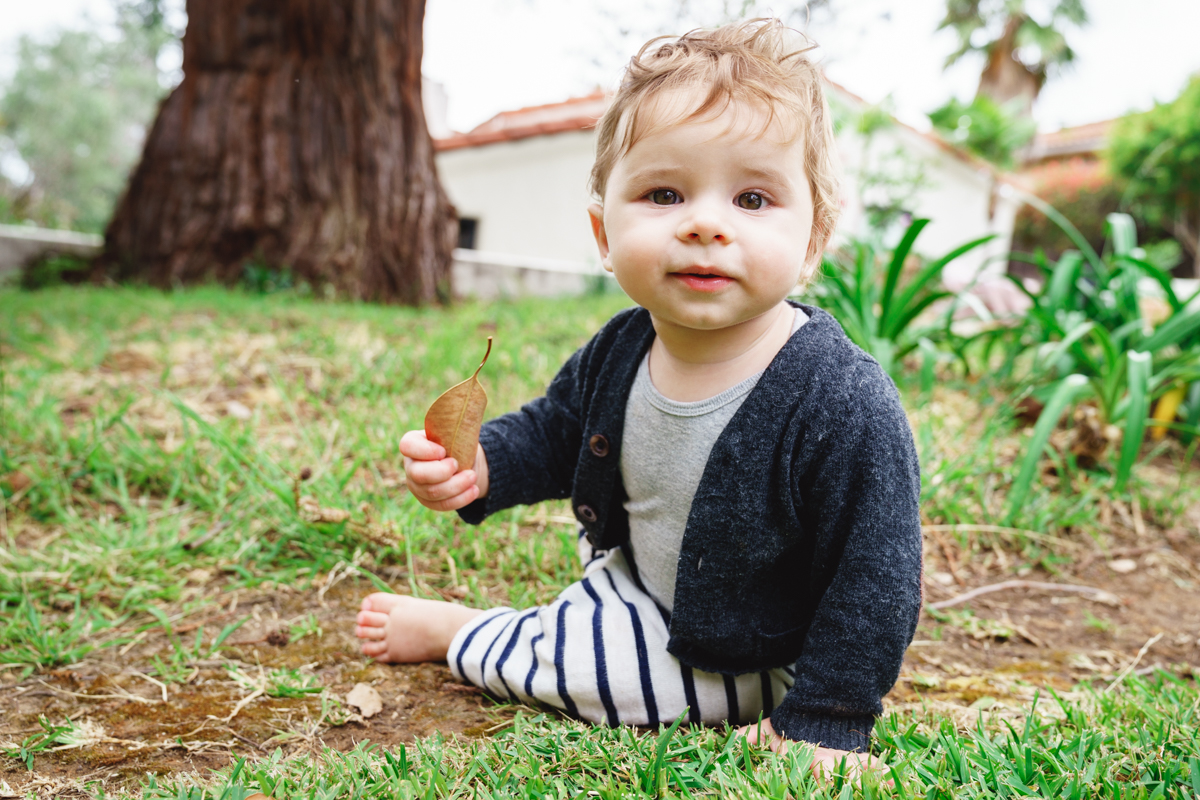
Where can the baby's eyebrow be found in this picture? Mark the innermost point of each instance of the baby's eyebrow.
(768, 175)
(652, 174)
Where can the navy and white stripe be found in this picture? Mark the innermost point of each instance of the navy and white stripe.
(599, 652)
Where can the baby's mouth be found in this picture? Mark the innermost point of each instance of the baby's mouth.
(702, 279)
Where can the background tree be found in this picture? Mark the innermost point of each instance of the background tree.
(75, 113)
(1156, 155)
(1020, 52)
(985, 128)
(296, 140)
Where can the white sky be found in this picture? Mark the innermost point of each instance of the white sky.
(493, 55)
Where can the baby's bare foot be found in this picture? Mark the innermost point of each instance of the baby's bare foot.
(402, 629)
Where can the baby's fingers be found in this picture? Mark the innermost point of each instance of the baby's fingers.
(416, 446)
(427, 473)
(456, 502)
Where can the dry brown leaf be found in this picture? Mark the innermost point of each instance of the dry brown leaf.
(260, 796)
(312, 511)
(454, 419)
(365, 699)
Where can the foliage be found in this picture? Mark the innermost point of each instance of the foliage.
(1157, 157)
(1088, 334)
(880, 309)
(991, 131)
(1038, 46)
(75, 111)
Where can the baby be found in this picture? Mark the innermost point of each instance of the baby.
(744, 475)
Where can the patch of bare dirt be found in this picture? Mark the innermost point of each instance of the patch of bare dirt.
(997, 650)
(128, 729)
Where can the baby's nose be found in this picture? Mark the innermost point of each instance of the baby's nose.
(705, 226)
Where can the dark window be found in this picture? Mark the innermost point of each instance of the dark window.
(466, 233)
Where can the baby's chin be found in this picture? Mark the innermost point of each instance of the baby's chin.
(705, 321)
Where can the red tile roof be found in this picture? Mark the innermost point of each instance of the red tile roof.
(1077, 140)
(575, 114)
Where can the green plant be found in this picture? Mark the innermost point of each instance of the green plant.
(1157, 158)
(876, 306)
(1089, 339)
(45, 739)
(29, 638)
(51, 271)
(986, 128)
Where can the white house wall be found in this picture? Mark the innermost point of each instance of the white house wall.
(955, 199)
(529, 196)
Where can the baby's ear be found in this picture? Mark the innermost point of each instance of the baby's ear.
(596, 213)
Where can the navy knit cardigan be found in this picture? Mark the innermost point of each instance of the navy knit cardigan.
(803, 544)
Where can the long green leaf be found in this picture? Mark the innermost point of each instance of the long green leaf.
(1123, 232)
(897, 264)
(1062, 280)
(1065, 394)
(1193, 410)
(1173, 331)
(1135, 416)
(1070, 230)
(895, 312)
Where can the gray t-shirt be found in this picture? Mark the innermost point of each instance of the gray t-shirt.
(664, 451)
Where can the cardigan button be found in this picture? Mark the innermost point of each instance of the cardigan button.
(598, 445)
(586, 513)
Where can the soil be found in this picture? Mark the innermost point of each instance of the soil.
(994, 652)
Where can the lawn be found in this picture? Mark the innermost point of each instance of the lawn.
(199, 487)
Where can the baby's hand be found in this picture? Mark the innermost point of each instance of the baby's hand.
(435, 480)
(826, 761)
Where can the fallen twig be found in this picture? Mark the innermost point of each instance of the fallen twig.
(951, 561)
(1099, 595)
(245, 701)
(205, 537)
(248, 741)
(124, 696)
(1004, 531)
(1125, 672)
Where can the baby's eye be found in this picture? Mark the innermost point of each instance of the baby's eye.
(751, 201)
(664, 197)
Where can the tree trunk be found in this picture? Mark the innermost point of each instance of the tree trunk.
(296, 141)
(1005, 79)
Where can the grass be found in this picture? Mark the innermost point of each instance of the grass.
(1139, 744)
(162, 452)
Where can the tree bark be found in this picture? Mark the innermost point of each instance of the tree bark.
(297, 141)
(1005, 79)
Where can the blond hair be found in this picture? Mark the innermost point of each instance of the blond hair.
(755, 61)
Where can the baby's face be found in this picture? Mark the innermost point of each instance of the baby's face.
(706, 223)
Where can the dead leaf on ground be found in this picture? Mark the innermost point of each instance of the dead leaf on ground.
(454, 419)
(312, 511)
(17, 481)
(129, 360)
(365, 699)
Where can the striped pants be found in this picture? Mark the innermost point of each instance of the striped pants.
(599, 652)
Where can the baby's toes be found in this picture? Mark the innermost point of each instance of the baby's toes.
(372, 619)
(374, 648)
(369, 632)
